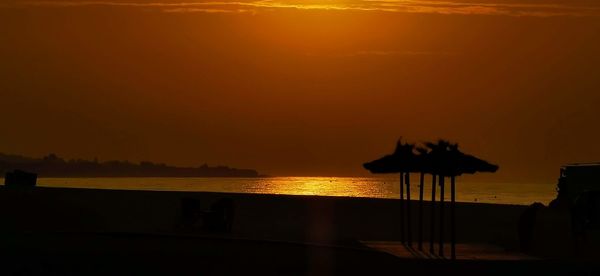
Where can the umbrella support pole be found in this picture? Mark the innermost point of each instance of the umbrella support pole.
(408, 213)
(402, 207)
(421, 182)
(441, 248)
(452, 217)
(432, 217)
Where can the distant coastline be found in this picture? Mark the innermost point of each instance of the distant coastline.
(54, 166)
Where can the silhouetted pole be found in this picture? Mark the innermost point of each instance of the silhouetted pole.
(432, 232)
(408, 218)
(402, 207)
(421, 182)
(441, 249)
(452, 218)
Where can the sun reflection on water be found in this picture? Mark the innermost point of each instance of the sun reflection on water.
(372, 187)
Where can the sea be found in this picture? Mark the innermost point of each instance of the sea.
(369, 187)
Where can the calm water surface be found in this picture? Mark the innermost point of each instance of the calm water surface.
(373, 187)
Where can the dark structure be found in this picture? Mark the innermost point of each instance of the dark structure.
(20, 179)
(446, 160)
(526, 226)
(442, 160)
(403, 161)
(420, 216)
(574, 180)
(432, 222)
(218, 219)
(191, 213)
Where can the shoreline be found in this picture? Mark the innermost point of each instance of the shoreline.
(273, 194)
(370, 187)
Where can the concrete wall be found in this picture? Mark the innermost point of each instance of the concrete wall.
(280, 217)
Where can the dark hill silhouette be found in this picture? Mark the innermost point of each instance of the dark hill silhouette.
(54, 166)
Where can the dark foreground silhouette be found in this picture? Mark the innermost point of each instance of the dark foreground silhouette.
(575, 211)
(98, 232)
(65, 231)
(54, 166)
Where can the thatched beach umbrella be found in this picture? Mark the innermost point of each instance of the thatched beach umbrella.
(402, 161)
(422, 164)
(467, 164)
(426, 167)
(447, 161)
(436, 159)
(432, 218)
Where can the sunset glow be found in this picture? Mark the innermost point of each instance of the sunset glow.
(302, 87)
(300, 137)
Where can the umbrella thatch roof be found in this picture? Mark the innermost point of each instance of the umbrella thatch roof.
(403, 159)
(441, 158)
(444, 158)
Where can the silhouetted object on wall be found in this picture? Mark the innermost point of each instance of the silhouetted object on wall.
(20, 179)
(220, 217)
(191, 213)
(526, 226)
(402, 161)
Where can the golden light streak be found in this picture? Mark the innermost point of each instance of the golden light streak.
(403, 6)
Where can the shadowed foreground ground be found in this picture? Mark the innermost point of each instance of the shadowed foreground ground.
(83, 231)
(110, 254)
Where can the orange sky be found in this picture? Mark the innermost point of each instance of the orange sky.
(302, 88)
